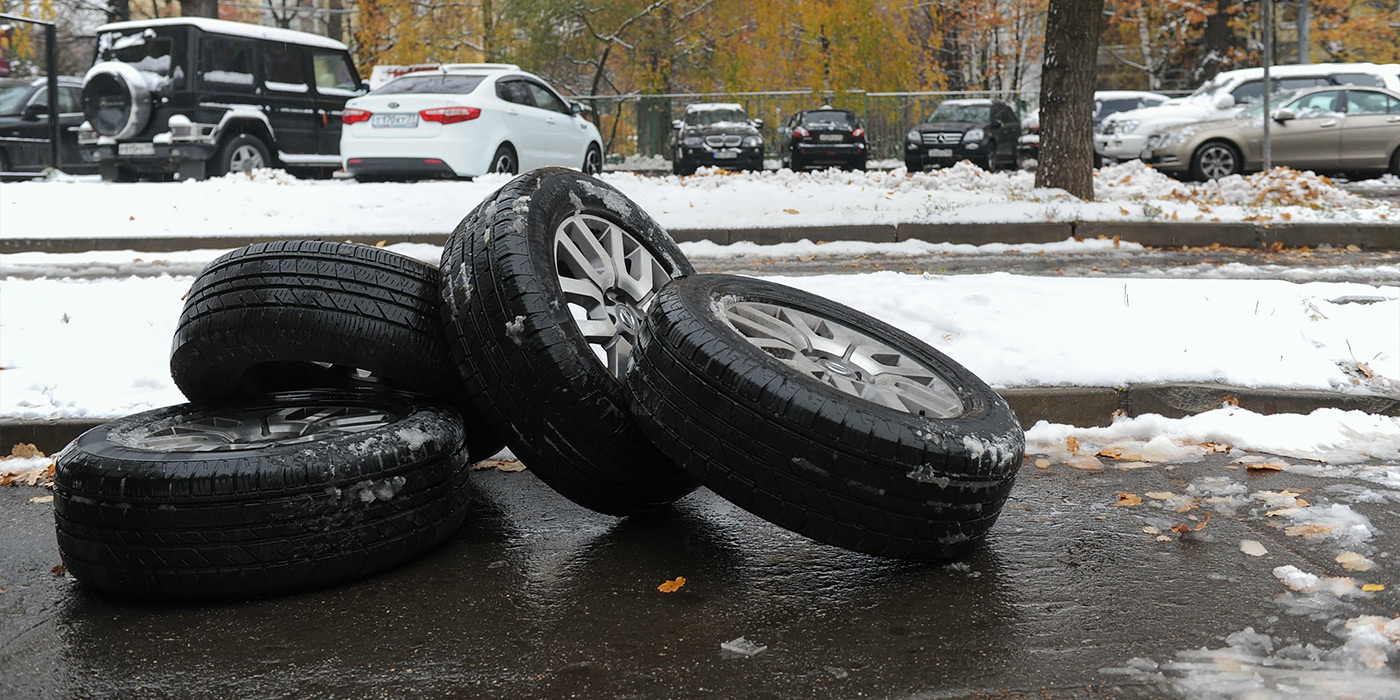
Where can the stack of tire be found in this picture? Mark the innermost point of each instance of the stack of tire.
(339, 392)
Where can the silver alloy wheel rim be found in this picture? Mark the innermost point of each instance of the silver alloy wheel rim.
(1217, 162)
(255, 428)
(245, 158)
(504, 164)
(594, 164)
(609, 280)
(840, 356)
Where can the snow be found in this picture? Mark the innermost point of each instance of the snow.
(218, 26)
(273, 203)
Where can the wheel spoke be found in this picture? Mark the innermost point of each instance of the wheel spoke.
(242, 429)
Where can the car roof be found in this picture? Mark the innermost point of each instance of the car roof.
(1126, 94)
(1297, 69)
(713, 106)
(975, 101)
(826, 109)
(220, 26)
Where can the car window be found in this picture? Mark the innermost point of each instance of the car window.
(1248, 92)
(960, 113)
(544, 98)
(1366, 102)
(13, 98)
(838, 117)
(1107, 107)
(433, 85)
(1281, 84)
(226, 63)
(70, 99)
(1316, 105)
(1363, 79)
(708, 116)
(334, 74)
(284, 67)
(514, 91)
(157, 57)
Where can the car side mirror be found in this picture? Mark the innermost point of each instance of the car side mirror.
(676, 124)
(575, 108)
(1283, 114)
(757, 123)
(34, 111)
(996, 124)
(1224, 101)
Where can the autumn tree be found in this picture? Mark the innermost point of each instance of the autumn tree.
(1067, 96)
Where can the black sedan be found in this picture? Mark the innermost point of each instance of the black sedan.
(982, 131)
(24, 115)
(823, 137)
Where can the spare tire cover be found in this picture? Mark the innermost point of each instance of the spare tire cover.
(116, 99)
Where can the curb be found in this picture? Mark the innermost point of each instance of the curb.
(1081, 406)
(1366, 236)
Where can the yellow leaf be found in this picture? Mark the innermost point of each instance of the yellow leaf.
(1072, 444)
(673, 585)
(1085, 463)
(790, 211)
(1042, 463)
(1184, 528)
(1372, 587)
(1264, 467)
(1128, 499)
(1307, 530)
(380, 244)
(1159, 495)
(1124, 212)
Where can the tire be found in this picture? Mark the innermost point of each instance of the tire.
(112, 172)
(241, 153)
(679, 166)
(117, 100)
(913, 165)
(1395, 163)
(593, 160)
(797, 165)
(504, 160)
(990, 163)
(527, 363)
(140, 518)
(1214, 160)
(4, 162)
(806, 455)
(271, 317)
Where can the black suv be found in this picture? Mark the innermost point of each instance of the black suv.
(192, 97)
(823, 137)
(982, 131)
(716, 134)
(24, 114)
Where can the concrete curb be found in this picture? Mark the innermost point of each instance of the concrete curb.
(1148, 233)
(1081, 406)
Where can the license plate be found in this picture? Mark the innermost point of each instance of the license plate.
(830, 137)
(394, 121)
(726, 154)
(136, 149)
(941, 152)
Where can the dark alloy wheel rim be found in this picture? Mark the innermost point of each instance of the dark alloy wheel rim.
(254, 428)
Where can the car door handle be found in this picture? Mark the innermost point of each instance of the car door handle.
(512, 113)
(1329, 122)
(1393, 120)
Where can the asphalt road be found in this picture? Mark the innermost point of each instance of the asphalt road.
(536, 598)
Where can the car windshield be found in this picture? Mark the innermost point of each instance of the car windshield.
(12, 98)
(706, 117)
(431, 84)
(152, 54)
(1113, 106)
(961, 112)
(828, 117)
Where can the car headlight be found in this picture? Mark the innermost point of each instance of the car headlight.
(1154, 141)
(1128, 126)
(1174, 138)
(752, 141)
(973, 135)
(692, 141)
(913, 135)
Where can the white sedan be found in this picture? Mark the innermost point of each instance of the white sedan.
(464, 120)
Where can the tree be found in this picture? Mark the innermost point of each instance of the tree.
(1067, 96)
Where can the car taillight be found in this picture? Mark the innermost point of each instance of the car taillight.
(352, 116)
(857, 132)
(801, 131)
(450, 115)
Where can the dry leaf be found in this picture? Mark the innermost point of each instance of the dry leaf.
(1128, 499)
(1111, 452)
(1042, 463)
(1230, 400)
(1368, 587)
(1085, 463)
(1183, 528)
(1159, 495)
(1124, 212)
(511, 466)
(380, 244)
(1307, 530)
(1215, 448)
(59, 570)
(1351, 561)
(1151, 530)
(790, 211)
(41, 499)
(24, 450)
(1264, 467)
(673, 585)
(1116, 241)
(1253, 548)
(1072, 444)
(1365, 369)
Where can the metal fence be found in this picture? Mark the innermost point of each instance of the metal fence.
(641, 124)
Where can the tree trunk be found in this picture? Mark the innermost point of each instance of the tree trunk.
(335, 25)
(488, 32)
(199, 8)
(118, 10)
(1067, 96)
(1219, 38)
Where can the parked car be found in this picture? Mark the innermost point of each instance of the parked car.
(1356, 130)
(24, 114)
(823, 137)
(464, 120)
(1106, 102)
(192, 97)
(980, 130)
(1124, 135)
(717, 133)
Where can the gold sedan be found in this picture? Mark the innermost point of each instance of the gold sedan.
(1353, 130)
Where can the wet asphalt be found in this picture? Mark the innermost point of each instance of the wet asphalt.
(537, 598)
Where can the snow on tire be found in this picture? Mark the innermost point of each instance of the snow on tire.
(288, 315)
(544, 287)
(274, 494)
(822, 419)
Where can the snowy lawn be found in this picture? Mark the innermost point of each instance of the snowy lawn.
(99, 348)
(273, 203)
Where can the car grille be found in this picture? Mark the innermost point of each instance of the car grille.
(723, 141)
(941, 137)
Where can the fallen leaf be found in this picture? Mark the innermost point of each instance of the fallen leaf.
(511, 466)
(1253, 548)
(1124, 212)
(1116, 242)
(380, 244)
(1365, 369)
(1072, 444)
(1128, 499)
(1307, 530)
(1230, 400)
(1351, 561)
(24, 450)
(1085, 463)
(1163, 538)
(1215, 448)
(1368, 587)
(1042, 463)
(1183, 528)
(1151, 530)
(1353, 248)
(790, 211)
(673, 585)
(1159, 495)
(1264, 467)
(59, 570)
(1111, 452)
(41, 499)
